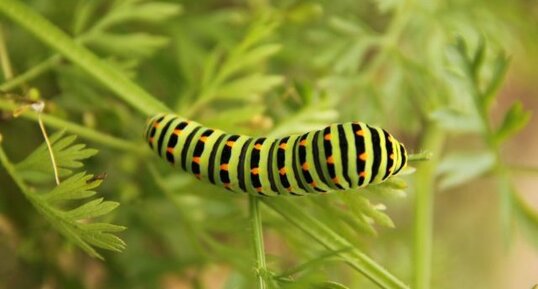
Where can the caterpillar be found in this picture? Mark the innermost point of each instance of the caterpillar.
(338, 157)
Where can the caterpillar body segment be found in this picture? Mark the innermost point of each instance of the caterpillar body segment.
(338, 157)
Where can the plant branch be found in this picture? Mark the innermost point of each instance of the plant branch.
(257, 237)
(47, 141)
(4, 57)
(333, 241)
(433, 140)
(85, 132)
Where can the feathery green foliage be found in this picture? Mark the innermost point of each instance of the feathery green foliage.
(56, 205)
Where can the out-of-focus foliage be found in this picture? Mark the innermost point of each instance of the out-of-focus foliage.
(431, 73)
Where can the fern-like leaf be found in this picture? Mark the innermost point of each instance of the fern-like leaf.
(37, 167)
(62, 206)
(73, 223)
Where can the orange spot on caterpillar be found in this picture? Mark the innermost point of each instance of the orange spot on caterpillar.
(203, 139)
(224, 167)
(156, 125)
(196, 160)
(313, 184)
(282, 171)
(363, 156)
(230, 143)
(303, 142)
(283, 146)
(259, 189)
(177, 131)
(305, 166)
(255, 171)
(391, 156)
(258, 146)
(330, 160)
(170, 149)
(362, 174)
(327, 136)
(335, 180)
(151, 139)
(360, 132)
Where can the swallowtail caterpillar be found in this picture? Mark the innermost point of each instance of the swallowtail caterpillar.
(339, 157)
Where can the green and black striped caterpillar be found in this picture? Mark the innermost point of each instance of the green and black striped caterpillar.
(338, 157)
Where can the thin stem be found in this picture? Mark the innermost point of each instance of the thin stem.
(423, 222)
(257, 237)
(330, 239)
(49, 146)
(12, 172)
(423, 156)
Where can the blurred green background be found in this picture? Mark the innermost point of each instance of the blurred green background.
(456, 78)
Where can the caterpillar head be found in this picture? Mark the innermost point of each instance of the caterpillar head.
(401, 158)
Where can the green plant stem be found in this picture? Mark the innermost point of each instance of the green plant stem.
(423, 156)
(507, 193)
(31, 73)
(78, 54)
(49, 146)
(12, 172)
(79, 130)
(4, 57)
(433, 141)
(333, 241)
(257, 238)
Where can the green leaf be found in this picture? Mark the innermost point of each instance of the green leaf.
(461, 48)
(362, 209)
(457, 121)
(304, 12)
(514, 120)
(103, 240)
(83, 14)
(461, 167)
(132, 45)
(250, 58)
(249, 85)
(152, 12)
(478, 59)
(103, 227)
(92, 209)
(76, 187)
(38, 166)
(83, 234)
(499, 72)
